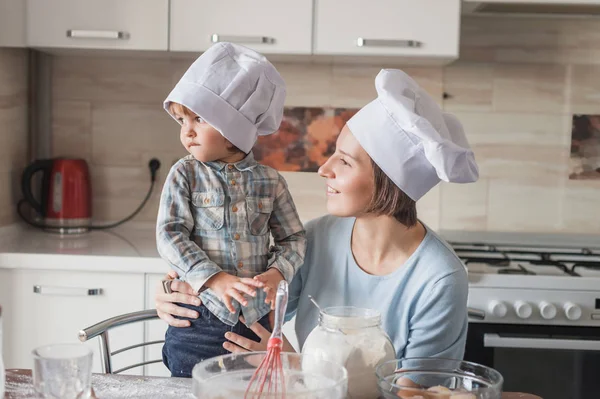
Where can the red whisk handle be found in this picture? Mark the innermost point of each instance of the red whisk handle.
(274, 342)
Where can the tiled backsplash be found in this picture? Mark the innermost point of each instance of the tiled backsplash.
(515, 89)
(13, 128)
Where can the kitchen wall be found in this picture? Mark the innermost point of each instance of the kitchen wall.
(515, 89)
(13, 128)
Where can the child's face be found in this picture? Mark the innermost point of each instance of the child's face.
(202, 140)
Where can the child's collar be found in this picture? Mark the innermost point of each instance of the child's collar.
(245, 164)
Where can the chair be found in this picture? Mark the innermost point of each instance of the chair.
(101, 329)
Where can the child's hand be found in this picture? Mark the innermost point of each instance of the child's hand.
(270, 279)
(229, 287)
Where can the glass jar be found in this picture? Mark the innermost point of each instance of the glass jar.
(352, 337)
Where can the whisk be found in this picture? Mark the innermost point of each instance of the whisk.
(268, 379)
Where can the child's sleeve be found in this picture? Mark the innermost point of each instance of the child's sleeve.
(287, 253)
(174, 226)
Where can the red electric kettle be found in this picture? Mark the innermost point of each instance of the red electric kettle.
(65, 203)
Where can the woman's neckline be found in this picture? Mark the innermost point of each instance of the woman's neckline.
(399, 270)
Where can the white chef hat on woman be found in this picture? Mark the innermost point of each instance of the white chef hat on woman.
(234, 89)
(410, 138)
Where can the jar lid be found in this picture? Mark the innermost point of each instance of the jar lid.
(349, 317)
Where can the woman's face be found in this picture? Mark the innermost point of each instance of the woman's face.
(349, 175)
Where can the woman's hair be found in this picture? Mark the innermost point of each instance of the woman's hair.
(389, 200)
(185, 111)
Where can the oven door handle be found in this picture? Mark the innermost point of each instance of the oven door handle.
(496, 341)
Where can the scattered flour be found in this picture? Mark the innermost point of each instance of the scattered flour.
(108, 386)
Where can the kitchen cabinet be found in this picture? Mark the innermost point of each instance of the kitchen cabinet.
(12, 23)
(268, 26)
(421, 30)
(51, 306)
(98, 24)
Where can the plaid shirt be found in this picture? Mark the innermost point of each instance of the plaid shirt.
(217, 217)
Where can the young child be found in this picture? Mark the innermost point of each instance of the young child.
(219, 207)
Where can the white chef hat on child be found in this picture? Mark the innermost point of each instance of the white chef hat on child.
(234, 89)
(410, 138)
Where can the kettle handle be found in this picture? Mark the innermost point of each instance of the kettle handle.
(44, 165)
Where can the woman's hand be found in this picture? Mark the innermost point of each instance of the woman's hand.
(182, 293)
(239, 344)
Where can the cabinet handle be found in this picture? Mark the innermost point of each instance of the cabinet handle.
(362, 42)
(97, 34)
(68, 291)
(215, 38)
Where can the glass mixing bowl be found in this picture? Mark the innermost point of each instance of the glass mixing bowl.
(306, 377)
(431, 378)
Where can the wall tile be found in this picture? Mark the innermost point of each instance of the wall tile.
(530, 40)
(464, 206)
(524, 206)
(470, 87)
(585, 89)
(530, 88)
(580, 207)
(308, 85)
(308, 191)
(428, 208)
(114, 80)
(123, 133)
(72, 129)
(13, 129)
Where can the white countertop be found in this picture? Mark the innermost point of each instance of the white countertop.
(131, 248)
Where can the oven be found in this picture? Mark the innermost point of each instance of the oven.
(535, 316)
(554, 362)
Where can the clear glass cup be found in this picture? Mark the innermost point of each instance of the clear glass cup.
(62, 371)
(354, 338)
(306, 377)
(438, 379)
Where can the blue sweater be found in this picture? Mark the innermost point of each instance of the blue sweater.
(423, 303)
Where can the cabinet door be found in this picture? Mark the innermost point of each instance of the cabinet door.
(98, 24)
(268, 26)
(155, 331)
(7, 310)
(49, 307)
(12, 23)
(424, 28)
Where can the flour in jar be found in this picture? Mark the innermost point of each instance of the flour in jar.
(359, 350)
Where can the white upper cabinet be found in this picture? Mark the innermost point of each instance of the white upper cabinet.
(268, 26)
(98, 24)
(408, 28)
(12, 23)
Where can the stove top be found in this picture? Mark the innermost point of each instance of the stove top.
(532, 284)
(529, 260)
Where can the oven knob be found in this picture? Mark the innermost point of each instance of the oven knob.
(523, 309)
(547, 310)
(572, 311)
(498, 309)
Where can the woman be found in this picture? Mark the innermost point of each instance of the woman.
(372, 251)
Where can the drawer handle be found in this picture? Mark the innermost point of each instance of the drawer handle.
(97, 34)
(215, 38)
(362, 42)
(68, 291)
